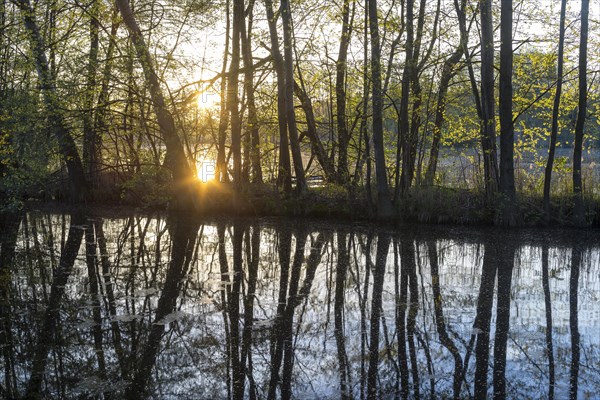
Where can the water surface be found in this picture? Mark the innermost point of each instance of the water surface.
(171, 307)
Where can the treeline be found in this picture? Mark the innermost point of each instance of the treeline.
(371, 96)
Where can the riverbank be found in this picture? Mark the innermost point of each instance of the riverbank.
(426, 205)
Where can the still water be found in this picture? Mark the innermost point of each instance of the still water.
(140, 306)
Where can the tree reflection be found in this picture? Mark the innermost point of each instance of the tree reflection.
(46, 335)
(401, 297)
(253, 257)
(505, 272)
(576, 257)
(91, 260)
(183, 233)
(549, 327)
(340, 299)
(290, 296)
(10, 222)
(409, 264)
(277, 334)
(383, 244)
(282, 312)
(361, 288)
(440, 321)
(481, 327)
(239, 342)
(109, 293)
(234, 314)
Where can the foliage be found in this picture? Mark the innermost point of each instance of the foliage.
(151, 186)
(25, 147)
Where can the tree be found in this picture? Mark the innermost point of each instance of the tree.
(384, 205)
(253, 138)
(90, 149)
(449, 70)
(233, 89)
(488, 124)
(68, 149)
(507, 134)
(555, 111)
(221, 173)
(101, 126)
(284, 176)
(286, 19)
(404, 139)
(415, 63)
(578, 210)
(340, 92)
(175, 159)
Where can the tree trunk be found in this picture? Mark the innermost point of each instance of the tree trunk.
(488, 124)
(462, 25)
(90, 153)
(578, 210)
(384, 205)
(233, 100)
(249, 89)
(364, 128)
(284, 176)
(286, 19)
(404, 125)
(340, 94)
(487, 131)
(221, 172)
(4, 66)
(508, 206)
(555, 111)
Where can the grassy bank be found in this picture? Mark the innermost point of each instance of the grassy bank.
(430, 205)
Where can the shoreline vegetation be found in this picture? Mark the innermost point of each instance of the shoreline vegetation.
(431, 205)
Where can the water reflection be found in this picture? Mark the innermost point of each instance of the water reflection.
(169, 307)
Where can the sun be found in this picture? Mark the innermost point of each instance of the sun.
(207, 100)
(206, 170)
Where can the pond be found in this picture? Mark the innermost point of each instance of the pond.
(174, 307)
